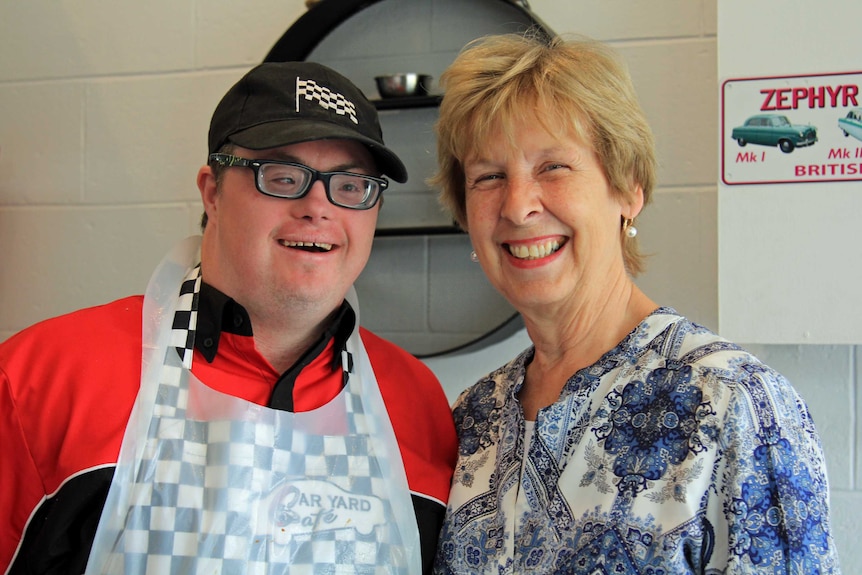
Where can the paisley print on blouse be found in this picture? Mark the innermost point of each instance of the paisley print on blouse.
(677, 452)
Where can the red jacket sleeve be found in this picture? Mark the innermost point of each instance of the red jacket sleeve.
(67, 386)
(22, 488)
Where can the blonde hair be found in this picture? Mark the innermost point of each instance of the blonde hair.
(574, 88)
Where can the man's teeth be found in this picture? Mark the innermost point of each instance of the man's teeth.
(312, 245)
(534, 251)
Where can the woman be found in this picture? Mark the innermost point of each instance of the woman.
(626, 439)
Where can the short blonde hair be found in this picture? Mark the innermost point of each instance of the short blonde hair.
(577, 88)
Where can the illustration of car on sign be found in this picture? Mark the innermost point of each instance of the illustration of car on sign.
(851, 124)
(774, 130)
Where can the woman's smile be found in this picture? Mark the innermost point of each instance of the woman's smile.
(535, 250)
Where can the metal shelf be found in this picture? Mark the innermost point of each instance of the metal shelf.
(418, 231)
(407, 102)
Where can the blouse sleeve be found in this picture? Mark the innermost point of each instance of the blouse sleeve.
(771, 485)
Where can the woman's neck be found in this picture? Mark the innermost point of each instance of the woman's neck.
(569, 342)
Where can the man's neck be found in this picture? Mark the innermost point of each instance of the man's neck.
(283, 342)
(282, 336)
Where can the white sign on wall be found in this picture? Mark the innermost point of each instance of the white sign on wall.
(790, 172)
(791, 129)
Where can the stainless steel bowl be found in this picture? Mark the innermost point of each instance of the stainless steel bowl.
(400, 85)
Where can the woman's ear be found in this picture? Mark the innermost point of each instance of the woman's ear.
(633, 203)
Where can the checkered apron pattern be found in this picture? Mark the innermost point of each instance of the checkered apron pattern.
(221, 485)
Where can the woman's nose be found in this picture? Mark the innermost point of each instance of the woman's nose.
(521, 199)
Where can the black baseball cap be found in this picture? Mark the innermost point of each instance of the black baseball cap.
(281, 103)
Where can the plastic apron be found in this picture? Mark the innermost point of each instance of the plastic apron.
(210, 483)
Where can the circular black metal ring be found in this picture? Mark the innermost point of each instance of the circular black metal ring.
(311, 28)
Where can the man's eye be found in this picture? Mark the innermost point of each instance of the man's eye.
(282, 176)
(350, 185)
(285, 183)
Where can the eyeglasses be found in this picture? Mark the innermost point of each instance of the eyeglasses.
(293, 181)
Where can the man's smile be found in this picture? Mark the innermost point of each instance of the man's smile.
(307, 246)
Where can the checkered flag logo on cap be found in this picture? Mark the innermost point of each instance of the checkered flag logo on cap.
(325, 98)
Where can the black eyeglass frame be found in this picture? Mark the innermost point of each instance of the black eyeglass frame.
(229, 161)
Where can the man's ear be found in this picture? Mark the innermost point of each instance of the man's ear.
(209, 191)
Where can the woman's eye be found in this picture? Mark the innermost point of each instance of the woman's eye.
(485, 181)
(551, 167)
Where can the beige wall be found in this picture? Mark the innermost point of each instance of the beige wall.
(104, 109)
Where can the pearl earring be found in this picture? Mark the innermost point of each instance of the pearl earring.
(473, 257)
(629, 228)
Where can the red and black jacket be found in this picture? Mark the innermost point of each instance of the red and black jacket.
(67, 386)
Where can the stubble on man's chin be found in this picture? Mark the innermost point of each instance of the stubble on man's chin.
(304, 304)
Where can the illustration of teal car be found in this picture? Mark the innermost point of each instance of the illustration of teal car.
(851, 124)
(774, 130)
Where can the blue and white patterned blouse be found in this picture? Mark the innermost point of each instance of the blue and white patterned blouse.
(677, 452)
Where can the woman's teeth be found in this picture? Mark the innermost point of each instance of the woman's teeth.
(534, 251)
(311, 246)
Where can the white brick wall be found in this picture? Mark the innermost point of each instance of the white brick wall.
(104, 108)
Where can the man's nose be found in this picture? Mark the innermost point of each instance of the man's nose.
(314, 203)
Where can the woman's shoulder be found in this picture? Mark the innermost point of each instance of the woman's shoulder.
(712, 359)
(498, 384)
(679, 340)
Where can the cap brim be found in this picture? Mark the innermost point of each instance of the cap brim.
(286, 132)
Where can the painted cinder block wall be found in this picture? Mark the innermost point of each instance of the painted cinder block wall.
(104, 109)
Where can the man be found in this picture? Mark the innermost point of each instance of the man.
(268, 432)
